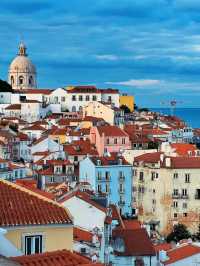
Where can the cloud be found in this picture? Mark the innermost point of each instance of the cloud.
(109, 57)
(136, 82)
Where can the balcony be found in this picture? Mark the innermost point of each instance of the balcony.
(176, 196)
(121, 202)
(184, 197)
(121, 191)
(122, 178)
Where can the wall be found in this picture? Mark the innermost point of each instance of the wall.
(128, 101)
(56, 238)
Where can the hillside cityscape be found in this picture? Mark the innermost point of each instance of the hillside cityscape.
(89, 178)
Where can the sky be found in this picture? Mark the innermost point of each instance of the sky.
(147, 48)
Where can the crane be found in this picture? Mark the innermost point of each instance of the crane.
(172, 104)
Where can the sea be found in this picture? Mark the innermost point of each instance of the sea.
(190, 115)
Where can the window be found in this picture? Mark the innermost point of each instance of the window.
(99, 188)
(73, 108)
(107, 175)
(94, 97)
(30, 80)
(107, 141)
(185, 214)
(80, 98)
(107, 188)
(175, 204)
(153, 201)
(187, 178)
(12, 80)
(99, 175)
(184, 192)
(175, 215)
(153, 175)
(73, 97)
(141, 177)
(87, 98)
(121, 188)
(154, 191)
(123, 141)
(21, 80)
(175, 175)
(63, 99)
(184, 205)
(56, 99)
(175, 192)
(115, 141)
(33, 244)
(109, 99)
(52, 179)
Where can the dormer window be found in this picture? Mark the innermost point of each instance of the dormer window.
(98, 162)
(21, 80)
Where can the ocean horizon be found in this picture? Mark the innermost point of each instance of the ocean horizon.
(190, 115)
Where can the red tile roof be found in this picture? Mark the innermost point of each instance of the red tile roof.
(112, 131)
(35, 127)
(181, 252)
(82, 235)
(182, 149)
(20, 206)
(23, 137)
(35, 91)
(148, 157)
(183, 162)
(80, 147)
(55, 258)
(13, 107)
(84, 89)
(113, 159)
(109, 91)
(162, 246)
(137, 242)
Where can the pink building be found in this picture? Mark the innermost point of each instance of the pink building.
(109, 139)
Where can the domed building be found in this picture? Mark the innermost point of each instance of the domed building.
(22, 72)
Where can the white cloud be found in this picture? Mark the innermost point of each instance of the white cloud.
(109, 57)
(137, 82)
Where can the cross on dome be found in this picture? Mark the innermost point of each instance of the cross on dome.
(22, 49)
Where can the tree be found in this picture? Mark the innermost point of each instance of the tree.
(5, 87)
(125, 108)
(179, 232)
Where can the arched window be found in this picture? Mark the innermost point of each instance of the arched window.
(30, 80)
(73, 108)
(21, 80)
(80, 109)
(12, 80)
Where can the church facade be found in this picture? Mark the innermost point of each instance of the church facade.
(22, 72)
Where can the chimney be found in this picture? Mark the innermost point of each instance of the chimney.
(168, 162)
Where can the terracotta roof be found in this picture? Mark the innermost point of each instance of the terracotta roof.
(111, 131)
(113, 159)
(20, 206)
(183, 162)
(55, 258)
(35, 127)
(83, 196)
(181, 252)
(34, 91)
(162, 246)
(109, 91)
(183, 148)
(137, 242)
(82, 235)
(41, 153)
(149, 157)
(58, 162)
(23, 137)
(84, 89)
(13, 107)
(80, 147)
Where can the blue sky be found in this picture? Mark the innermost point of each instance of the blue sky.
(149, 48)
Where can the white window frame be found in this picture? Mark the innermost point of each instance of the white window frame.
(24, 235)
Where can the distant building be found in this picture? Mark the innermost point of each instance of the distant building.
(112, 176)
(22, 73)
(127, 100)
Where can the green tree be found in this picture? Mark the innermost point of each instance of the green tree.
(5, 87)
(179, 232)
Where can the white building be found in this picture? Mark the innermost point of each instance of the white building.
(22, 73)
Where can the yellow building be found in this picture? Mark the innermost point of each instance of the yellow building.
(34, 224)
(127, 100)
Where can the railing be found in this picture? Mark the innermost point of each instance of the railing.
(176, 196)
(121, 191)
(185, 196)
(121, 178)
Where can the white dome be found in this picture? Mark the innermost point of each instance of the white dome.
(22, 64)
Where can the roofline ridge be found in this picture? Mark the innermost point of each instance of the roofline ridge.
(30, 192)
